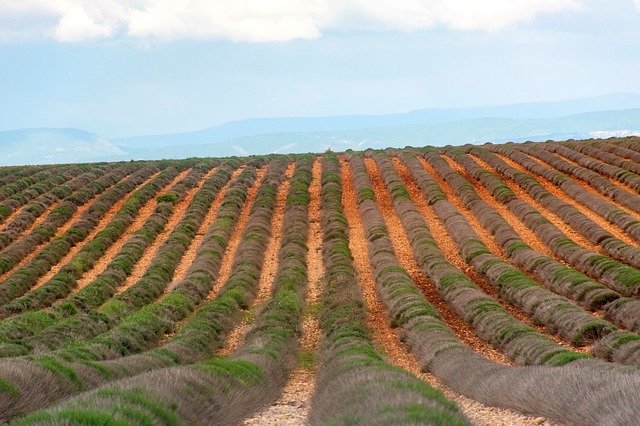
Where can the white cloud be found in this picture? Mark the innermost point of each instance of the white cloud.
(637, 4)
(260, 20)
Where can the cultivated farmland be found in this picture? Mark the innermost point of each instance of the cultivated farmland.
(493, 284)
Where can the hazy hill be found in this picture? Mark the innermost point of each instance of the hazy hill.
(601, 116)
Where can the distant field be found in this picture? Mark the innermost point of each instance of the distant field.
(493, 284)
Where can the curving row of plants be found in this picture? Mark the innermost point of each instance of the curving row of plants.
(20, 333)
(27, 275)
(26, 218)
(178, 349)
(491, 321)
(355, 384)
(226, 389)
(565, 380)
(603, 185)
(599, 204)
(608, 243)
(64, 281)
(619, 277)
(56, 218)
(44, 185)
(34, 181)
(91, 312)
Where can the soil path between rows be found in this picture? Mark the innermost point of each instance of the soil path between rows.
(268, 270)
(151, 252)
(292, 407)
(387, 339)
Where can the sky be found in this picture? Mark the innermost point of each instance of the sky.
(129, 67)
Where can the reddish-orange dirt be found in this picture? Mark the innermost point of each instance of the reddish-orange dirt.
(293, 406)
(269, 267)
(103, 223)
(236, 236)
(60, 231)
(407, 260)
(190, 254)
(387, 339)
(553, 189)
(584, 185)
(178, 213)
(450, 249)
(143, 215)
(548, 214)
(611, 180)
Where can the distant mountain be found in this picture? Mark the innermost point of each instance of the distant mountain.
(51, 145)
(603, 116)
(265, 126)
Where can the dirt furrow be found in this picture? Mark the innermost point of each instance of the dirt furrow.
(190, 254)
(103, 223)
(293, 405)
(387, 339)
(269, 268)
(525, 233)
(60, 231)
(548, 214)
(450, 249)
(178, 212)
(406, 258)
(553, 189)
(145, 212)
(583, 184)
(611, 180)
(235, 239)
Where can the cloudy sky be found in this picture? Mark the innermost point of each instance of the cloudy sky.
(125, 67)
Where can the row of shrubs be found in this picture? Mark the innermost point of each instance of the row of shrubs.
(603, 185)
(491, 321)
(619, 277)
(61, 214)
(50, 327)
(566, 379)
(86, 373)
(29, 214)
(27, 275)
(32, 181)
(554, 275)
(83, 329)
(601, 161)
(578, 221)
(599, 204)
(619, 147)
(45, 183)
(10, 174)
(570, 321)
(64, 281)
(622, 346)
(226, 389)
(355, 384)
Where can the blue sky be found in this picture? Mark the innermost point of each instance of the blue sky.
(124, 67)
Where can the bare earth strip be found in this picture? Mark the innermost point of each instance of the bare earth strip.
(293, 405)
(584, 185)
(406, 258)
(548, 214)
(269, 267)
(619, 234)
(236, 236)
(450, 249)
(103, 223)
(145, 212)
(190, 254)
(150, 254)
(386, 338)
(76, 215)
